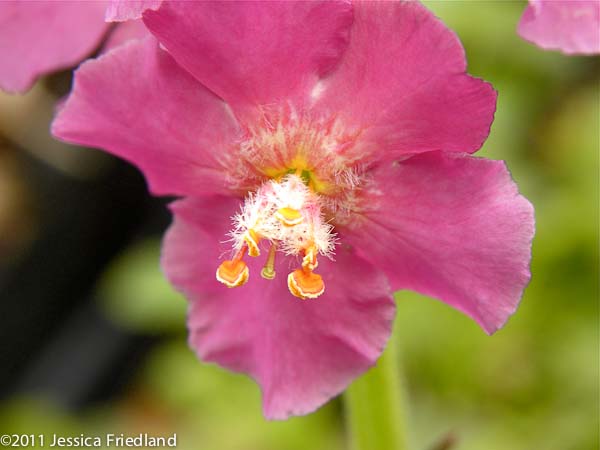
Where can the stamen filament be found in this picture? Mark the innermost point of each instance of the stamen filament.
(309, 262)
(240, 253)
(251, 239)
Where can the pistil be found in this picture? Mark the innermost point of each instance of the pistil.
(268, 271)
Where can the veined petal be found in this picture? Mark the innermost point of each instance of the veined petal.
(453, 227)
(37, 38)
(123, 10)
(137, 103)
(572, 26)
(254, 52)
(402, 81)
(301, 352)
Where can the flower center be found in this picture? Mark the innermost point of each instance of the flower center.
(299, 175)
(287, 214)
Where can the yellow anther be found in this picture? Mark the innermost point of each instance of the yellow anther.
(252, 239)
(233, 273)
(289, 216)
(305, 284)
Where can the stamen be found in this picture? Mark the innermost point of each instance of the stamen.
(305, 284)
(309, 262)
(252, 239)
(233, 273)
(268, 271)
(289, 216)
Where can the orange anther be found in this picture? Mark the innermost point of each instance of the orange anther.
(233, 273)
(305, 284)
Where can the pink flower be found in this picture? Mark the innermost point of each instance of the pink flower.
(38, 38)
(571, 26)
(330, 144)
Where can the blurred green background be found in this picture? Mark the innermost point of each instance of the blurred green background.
(534, 385)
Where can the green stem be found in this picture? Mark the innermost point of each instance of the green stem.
(376, 417)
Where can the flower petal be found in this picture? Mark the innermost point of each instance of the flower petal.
(123, 32)
(122, 10)
(37, 38)
(254, 53)
(453, 227)
(301, 352)
(402, 81)
(137, 103)
(572, 26)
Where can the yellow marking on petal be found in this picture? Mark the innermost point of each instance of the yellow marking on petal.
(233, 273)
(252, 239)
(300, 167)
(299, 161)
(305, 284)
(318, 186)
(289, 216)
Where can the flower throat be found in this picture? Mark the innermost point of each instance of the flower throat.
(301, 174)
